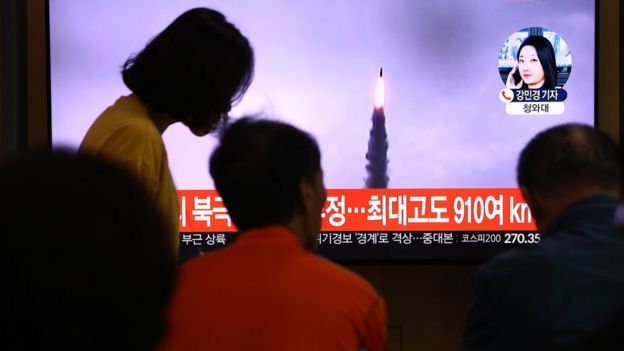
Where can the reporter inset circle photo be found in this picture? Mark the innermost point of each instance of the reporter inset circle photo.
(534, 58)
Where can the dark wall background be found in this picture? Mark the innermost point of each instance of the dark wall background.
(24, 102)
(426, 303)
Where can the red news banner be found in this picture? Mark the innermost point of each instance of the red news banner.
(401, 210)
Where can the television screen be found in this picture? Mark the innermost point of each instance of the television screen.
(420, 109)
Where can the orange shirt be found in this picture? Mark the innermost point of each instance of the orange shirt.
(266, 292)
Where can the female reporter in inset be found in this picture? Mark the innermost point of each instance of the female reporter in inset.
(192, 72)
(536, 68)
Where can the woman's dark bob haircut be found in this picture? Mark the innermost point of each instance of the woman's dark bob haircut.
(546, 55)
(194, 70)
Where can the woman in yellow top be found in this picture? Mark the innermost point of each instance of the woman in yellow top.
(192, 72)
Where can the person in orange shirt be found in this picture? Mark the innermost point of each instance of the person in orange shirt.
(267, 291)
(192, 72)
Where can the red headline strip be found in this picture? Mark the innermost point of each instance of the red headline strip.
(501, 209)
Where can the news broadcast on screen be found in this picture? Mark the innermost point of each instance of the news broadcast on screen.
(420, 109)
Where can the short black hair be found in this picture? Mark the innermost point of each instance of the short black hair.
(84, 260)
(562, 157)
(194, 70)
(546, 55)
(257, 168)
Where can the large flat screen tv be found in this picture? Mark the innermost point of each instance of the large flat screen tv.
(419, 164)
